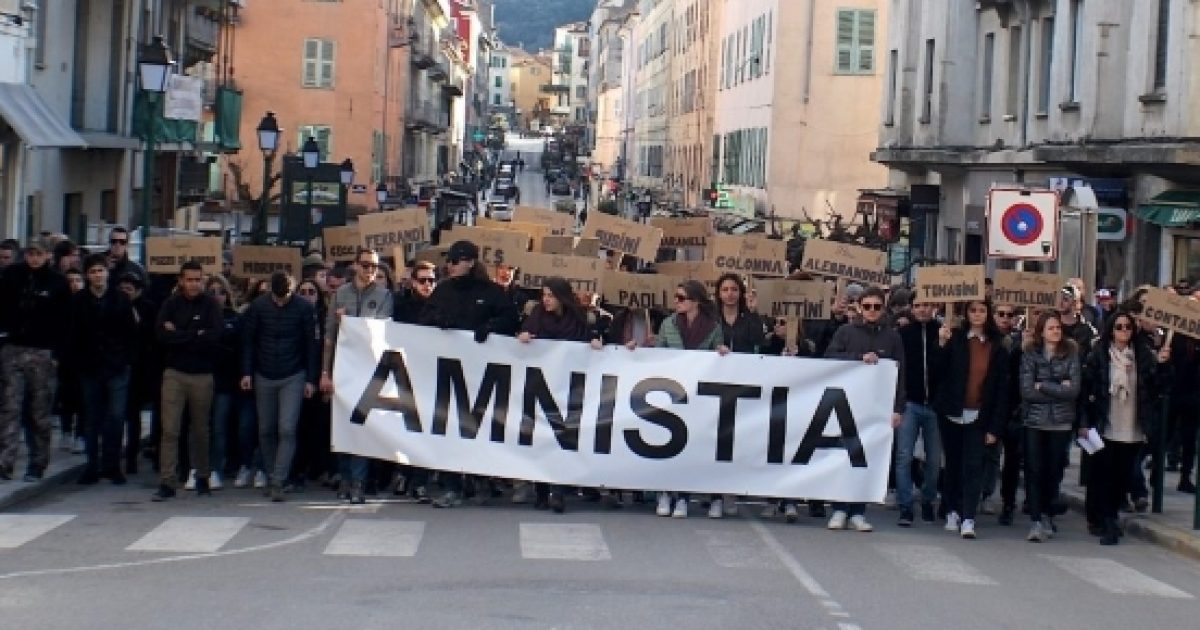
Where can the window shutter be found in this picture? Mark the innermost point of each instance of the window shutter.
(311, 52)
(866, 42)
(327, 63)
(845, 41)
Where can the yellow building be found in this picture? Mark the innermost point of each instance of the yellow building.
(527, 73)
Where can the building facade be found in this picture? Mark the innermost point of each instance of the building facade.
(528, 75)
(692, 100)
(653, 57)
(606, 85)
(569, 74)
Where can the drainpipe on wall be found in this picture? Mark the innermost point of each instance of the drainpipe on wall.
(808, 49)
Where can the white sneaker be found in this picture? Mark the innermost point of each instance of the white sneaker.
(243, 477)
(968, 529)
(190, 484)
(716, 509)
(680, 509)
(664, 504)
(860, 524)
(952, 522)
(837, 521)
(260, 479)
(790, 514)
(214, 481)
(80, 446)
(521, 492)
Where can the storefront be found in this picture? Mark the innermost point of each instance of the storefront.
(1177, 212)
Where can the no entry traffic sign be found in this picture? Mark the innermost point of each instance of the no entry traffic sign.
(1022, 224)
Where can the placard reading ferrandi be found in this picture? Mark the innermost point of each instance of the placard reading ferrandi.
(1173, 312)
(950, 283)
(166, 254)
(842, 260)
(381, 231)
(1026, 290)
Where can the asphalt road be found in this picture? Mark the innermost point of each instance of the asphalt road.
(106, 556)
(531, 182)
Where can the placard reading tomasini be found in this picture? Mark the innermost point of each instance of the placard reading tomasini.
(560, 412)
(949, 283)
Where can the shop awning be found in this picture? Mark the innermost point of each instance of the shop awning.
(1173, 208)
(33, 120)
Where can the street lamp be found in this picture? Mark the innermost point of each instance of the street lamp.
(311, 153)
(381, 194)
(154, 68)
(268, 143)
(347, 175)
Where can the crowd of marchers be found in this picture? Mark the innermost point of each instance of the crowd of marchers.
(236, 378)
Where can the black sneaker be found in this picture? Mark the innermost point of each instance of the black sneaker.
(276, 494)
(164, 492)
(202, 487)
(32, 475)
(1006, 515)
(906, 517)
(88, 478)
(556, 502)
(356, 493)
(816, 509)
(1186, 486)
(927, 512)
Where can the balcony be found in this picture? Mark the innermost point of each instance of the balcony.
(424, 114)
(437, 71)
(421, 56)
(454, 88)
(555, 88)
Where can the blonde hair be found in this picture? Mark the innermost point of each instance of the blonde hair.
(231, 300)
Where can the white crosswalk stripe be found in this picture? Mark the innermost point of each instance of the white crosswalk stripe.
(931, 563)
(190, 534)
(18, 529)
(737, 549)
(563, 541)
(377, 538)
(1114, 577)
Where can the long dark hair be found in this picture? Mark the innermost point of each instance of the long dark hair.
(741, 285)
(562, 291)
(1110, 325)
(990, 330)
(698, 293)
(1065, 347)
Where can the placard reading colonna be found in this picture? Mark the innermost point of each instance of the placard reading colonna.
(561, 412)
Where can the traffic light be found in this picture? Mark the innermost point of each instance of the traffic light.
(712, 196)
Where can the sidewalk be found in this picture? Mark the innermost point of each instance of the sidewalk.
(1172, 529)
(64, 468)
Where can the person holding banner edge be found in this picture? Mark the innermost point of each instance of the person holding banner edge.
(742, 331)
(868, 340)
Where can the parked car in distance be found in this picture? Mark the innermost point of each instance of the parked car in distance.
(505, 187)
(499, 211)
(561, 186)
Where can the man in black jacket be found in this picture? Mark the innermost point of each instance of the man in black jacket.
(189, 328)
(118, 255)
(921, 352)
(281, 363)
(34, 301)
(104, 336)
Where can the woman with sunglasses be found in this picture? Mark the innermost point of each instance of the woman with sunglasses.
(558, 316)
(695, 325)
(1123, 380)
(970, 408)
(1050, 386)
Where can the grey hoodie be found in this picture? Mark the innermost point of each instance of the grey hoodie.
(373, 302)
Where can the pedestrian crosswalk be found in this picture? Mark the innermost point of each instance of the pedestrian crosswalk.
(729, 545)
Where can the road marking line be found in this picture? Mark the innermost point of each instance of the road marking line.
(1114, 577)
(378, 538)
(794, 567)
(198, 534)
(18, 529)
(737, 549)
(930, 563)
(563, 541)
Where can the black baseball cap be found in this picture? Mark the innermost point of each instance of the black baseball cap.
(462, 250)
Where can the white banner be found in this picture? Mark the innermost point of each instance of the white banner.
(650, 419)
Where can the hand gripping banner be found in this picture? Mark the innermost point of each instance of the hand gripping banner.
(648, 419)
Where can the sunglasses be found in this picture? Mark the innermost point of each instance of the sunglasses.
(681, 297)
(871, 306)
(1122, 327)
(1004, 314)
(117, 241)
(307, 292)
(425, 280)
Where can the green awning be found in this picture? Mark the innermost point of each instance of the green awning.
(1173, 208)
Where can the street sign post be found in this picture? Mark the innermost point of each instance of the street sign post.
(1022, 224)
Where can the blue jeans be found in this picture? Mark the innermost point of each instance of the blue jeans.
(353, 468)
(278, 402)
(105, 396)
(251, 457)
(851, 509)
(918, 420)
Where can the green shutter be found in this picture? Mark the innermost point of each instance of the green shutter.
(312, 49)
(866, 43)
(845, 40)
(327, 52)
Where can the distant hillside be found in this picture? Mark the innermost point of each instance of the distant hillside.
(530, 23)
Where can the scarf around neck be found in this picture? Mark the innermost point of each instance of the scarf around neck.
(1122, 366)
(695, 333)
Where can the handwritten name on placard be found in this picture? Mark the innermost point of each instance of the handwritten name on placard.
(1026, 290)
(640, 290)
(619, 235)
(803, 299)
(950, 283)
(750, 256)
(559, 223)
(496, 247)
(381, 231)
(166, 254)
(584, 274)
(260, 261)
(1172, 311)
(686, 232)
(841, 260)
(341, 243)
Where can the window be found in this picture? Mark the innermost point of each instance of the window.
(323, 135)
(39, 53)
(715, 172)
(855, 41)
(724, 52)
(378, 151)
(495, 99)
(985, 75)
(1076, 15)
(1013, 87)
(1045, 65)
(1161, 39)
(499, 81)
(581, 92)
(927, 99)
(767, 48)
(889, 115)
(318, 63)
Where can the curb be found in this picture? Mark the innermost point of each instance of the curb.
(57, 476)
(1181, 541)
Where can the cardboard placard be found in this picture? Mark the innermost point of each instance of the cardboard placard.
(559, 245)
(1026, 290)
(560, 223)
(842, 260)
(587, 247)
(381, 231)
(703, 271)
(949, 283)
(749, 256)
(535, 231)
(640, 290)
(1172, 311)
(435, 255)
(260, 261)
(496, 247)
(677, 233)
(805, 299)
(341, 243)
(165, 254)
(584, 274)
(620, 235)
